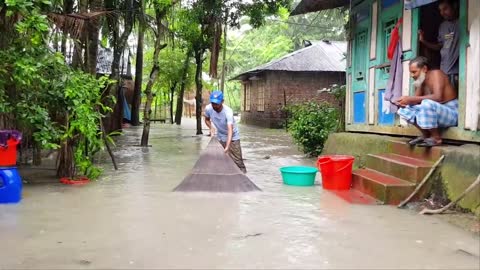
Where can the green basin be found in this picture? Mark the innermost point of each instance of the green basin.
(299, 175)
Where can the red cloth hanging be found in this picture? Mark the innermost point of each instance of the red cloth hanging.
(394, 38)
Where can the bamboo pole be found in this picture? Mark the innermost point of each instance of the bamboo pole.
(425, 180)
(452, 203)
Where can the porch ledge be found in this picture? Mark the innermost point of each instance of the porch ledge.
(453, 133)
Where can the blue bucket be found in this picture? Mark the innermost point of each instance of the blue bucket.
(10, 185)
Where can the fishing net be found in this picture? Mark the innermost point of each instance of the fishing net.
(215, 171)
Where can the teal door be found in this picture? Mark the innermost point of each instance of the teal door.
(389, 14)
(360, 60)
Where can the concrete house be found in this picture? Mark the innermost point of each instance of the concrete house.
(368, 67)
(391, 170)
(295, 78)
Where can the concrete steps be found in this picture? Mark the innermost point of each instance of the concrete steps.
(392, 177)
(354, 196)
(403, 149)
(405, 168)
(385, 188)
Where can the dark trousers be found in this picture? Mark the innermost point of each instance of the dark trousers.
(235, 152)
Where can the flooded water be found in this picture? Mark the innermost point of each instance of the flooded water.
(130, 219)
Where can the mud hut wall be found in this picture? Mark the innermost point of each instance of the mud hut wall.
(282, 87)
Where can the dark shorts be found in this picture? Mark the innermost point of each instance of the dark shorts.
(235, 152)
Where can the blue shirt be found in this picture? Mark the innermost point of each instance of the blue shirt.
(221, 120)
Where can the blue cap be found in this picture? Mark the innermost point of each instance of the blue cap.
(216, 97)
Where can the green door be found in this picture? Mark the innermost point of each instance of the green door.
(361, 44)
(389, 14)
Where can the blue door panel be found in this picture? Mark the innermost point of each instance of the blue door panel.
(359, 115)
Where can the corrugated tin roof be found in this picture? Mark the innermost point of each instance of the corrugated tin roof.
(307, 6)
(327, 56)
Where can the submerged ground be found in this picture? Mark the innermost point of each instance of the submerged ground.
(131, 219)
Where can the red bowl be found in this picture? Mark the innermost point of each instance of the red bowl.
(79, 181)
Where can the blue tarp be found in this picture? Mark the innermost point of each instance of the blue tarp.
(411, 4)
(127, 113)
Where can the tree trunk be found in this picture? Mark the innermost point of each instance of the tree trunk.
(148, 92)
(77, 56)
(137, 92)
(66, 162)
(148, 106)
(92, 38)
(55, 39)
(6, 28)
(119, 44)
(37, 155)
(66, 159)
(67, 9)
(179, 111)
(114, 90)
(78, 60)
(224, 58)
(199, 85)
(172, 95)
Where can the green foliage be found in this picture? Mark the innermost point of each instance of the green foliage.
(83, 106)
(257, 47)
(280, 35)
(54, 103)
(37, 94)
(44, 96)
(340, 94)
(171, 68)
(310, 124)
(326, 24)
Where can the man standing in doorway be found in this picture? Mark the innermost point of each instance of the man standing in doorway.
(448, 40)
(227, 131)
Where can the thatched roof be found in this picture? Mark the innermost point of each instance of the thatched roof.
(75, 24)
(321, 56)
(307, 6)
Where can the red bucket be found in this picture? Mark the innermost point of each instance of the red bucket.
(8, 154)
(336, 171)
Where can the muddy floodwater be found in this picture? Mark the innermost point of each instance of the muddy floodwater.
(130, 219)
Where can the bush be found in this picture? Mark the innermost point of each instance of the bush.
(56, 106)
(310, 124)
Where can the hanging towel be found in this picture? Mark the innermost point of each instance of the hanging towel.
(393, 90)
(385, 104)
(394, 39)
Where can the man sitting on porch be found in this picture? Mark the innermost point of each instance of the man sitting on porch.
(434, 105)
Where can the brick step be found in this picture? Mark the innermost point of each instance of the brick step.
(403, 149)
(405, 168)
(354, 196)
(388, 189)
